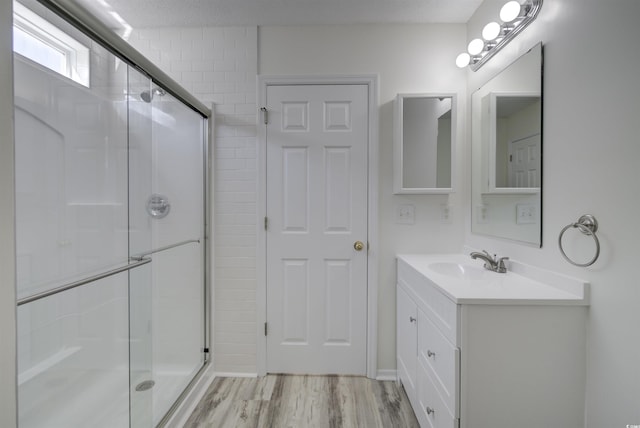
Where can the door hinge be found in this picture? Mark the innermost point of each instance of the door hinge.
(510, 158)
(266, 223)
(265, 329)
(206, 350)
(265, 115)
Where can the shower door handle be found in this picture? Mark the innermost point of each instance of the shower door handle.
(69, 286)
(141, 256)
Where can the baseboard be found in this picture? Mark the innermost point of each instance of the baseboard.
(386, 375)
(234, 374)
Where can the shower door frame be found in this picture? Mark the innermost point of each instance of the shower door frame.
(8, 318)
(100, 33)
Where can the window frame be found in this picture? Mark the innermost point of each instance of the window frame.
(77, 58)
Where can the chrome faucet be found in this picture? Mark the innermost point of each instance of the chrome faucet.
(491, 263)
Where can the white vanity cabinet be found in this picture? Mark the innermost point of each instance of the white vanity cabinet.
(479, 361)
(428, 356)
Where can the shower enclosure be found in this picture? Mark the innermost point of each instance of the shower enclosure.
(111, 242)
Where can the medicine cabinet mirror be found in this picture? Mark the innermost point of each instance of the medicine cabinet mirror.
(424, 143)
(506, 139)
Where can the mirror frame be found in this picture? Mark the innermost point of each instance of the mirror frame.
(398, 148)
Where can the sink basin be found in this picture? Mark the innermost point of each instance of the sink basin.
(457, 270)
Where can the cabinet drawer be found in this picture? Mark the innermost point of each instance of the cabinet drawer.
(442, 360)
(407, 342)
(442, 311)
(431, 411)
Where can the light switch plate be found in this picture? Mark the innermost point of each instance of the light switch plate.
(405, 214)
(526, 214)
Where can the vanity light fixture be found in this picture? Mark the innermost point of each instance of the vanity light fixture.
(514, 17)
(475, 46)
(491, 31)
(510, 11)
(463, 60)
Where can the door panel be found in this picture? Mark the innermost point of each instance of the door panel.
(295, 189)
(317, 140)
(524, 162)
(295, 297)
(338, 194)
(338, 289)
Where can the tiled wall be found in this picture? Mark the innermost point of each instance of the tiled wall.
(219, 65)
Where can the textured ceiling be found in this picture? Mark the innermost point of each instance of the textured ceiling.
(171, 13)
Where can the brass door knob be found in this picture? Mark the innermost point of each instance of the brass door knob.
(358, 245)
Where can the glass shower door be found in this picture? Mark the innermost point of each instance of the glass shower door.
(71, 211)
(178, 237)
(166, 199)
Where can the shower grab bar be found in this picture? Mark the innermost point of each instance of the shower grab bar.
(141, 256)
(81, 282)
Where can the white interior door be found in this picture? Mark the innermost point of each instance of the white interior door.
(317, 139)
(524, 162)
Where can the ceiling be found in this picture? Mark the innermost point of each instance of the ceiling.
(191, 13)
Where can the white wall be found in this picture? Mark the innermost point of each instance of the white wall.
(408, 59)
(8, 407)
(591, 158)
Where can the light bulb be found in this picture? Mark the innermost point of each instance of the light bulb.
(510, 11)
(463, 60)
(475, 46)
(491, 31)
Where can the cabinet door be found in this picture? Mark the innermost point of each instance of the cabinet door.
(407, 341)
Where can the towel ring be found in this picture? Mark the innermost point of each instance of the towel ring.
(588, 225)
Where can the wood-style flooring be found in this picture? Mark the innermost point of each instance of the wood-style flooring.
(292, 401)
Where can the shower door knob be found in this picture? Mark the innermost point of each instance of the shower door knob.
(158, 206)
(358, 245)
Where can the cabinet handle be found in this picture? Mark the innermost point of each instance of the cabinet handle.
(412, 319)
(430, 353)
(430, 411)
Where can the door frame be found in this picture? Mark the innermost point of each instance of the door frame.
(371, 81)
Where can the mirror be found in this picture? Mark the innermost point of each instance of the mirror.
(424, 148)
(506, 140)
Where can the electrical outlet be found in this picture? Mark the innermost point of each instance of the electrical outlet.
(405, 214)
(526, 214)
(446, 213)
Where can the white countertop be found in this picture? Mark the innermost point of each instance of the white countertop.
(530, 286)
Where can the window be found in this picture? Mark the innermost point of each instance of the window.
(42, 42)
